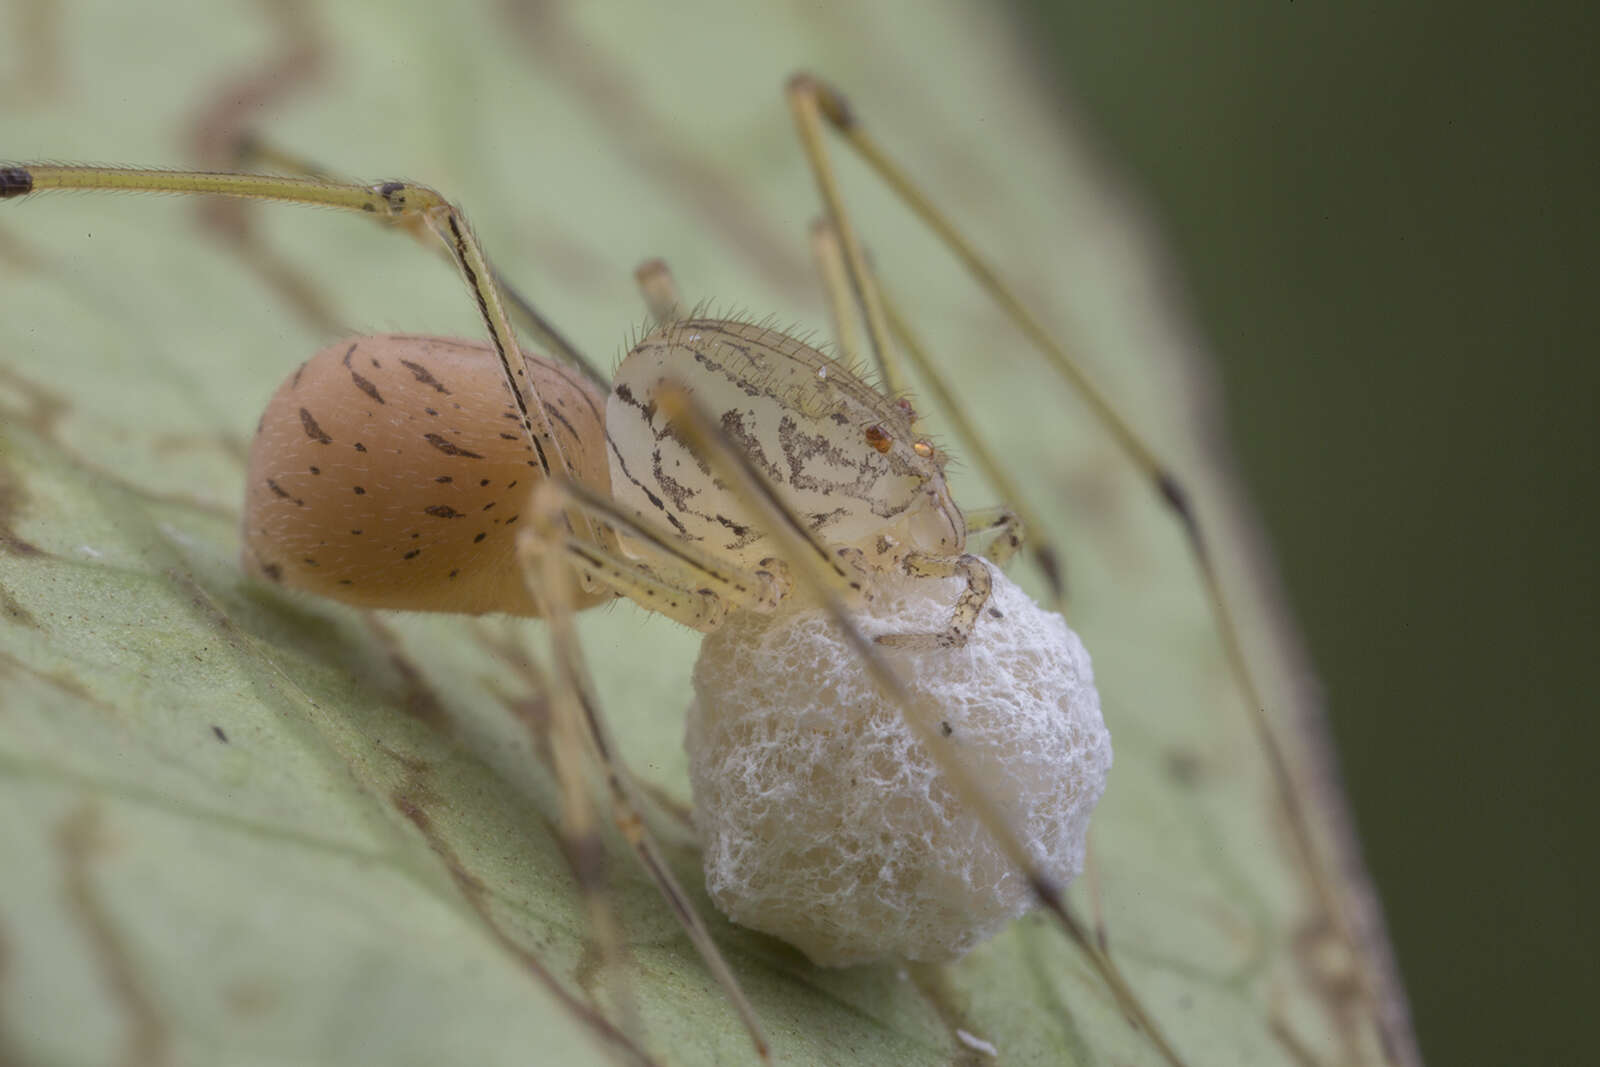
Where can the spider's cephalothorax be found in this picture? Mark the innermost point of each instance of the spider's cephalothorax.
(845, 457)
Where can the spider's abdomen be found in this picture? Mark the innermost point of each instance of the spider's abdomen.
(391, 472)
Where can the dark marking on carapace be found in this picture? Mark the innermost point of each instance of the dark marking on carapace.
(733, 425)
(738, 528)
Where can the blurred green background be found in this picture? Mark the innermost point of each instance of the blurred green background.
(1384, 217)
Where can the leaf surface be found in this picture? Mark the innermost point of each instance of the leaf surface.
(244, 827)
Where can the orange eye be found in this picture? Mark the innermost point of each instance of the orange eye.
(923, 449)
(878, 438)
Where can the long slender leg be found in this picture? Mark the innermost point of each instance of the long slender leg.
(580, 833)
(818, 102)
(668, 554)
(397, 200)
(999, 476)
(250, 152)
(674, 578)
(1040, 545)
(806, 106)
(836, 287)
(968, 607)
(810, 560)
(574, 700)
(1007, 527)
(660, 291)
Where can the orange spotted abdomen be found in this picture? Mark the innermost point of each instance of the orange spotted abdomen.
(391, 472)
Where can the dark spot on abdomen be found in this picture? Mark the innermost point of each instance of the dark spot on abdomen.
(313, 431)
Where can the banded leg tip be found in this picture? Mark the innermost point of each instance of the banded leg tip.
(15, 181)
(801, 83)
(832, 103)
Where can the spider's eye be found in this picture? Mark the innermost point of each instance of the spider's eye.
(879, 438)
(923, 449)
(905, 407)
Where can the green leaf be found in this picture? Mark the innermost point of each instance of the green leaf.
(243, 827)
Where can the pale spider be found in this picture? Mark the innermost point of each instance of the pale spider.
(703, 519)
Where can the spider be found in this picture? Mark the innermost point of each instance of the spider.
(589, 544)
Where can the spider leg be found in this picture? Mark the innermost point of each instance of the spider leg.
(828, 250)
(1005, 525)
(251, 152)
(658, 570)
(813, 563)
(968, 607)
(544, 562)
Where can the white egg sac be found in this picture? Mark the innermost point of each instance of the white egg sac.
(825, 823)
